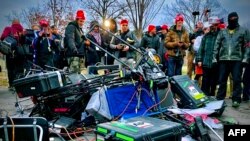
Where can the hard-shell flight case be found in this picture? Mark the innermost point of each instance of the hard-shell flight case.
(139, 129)
(40, 83)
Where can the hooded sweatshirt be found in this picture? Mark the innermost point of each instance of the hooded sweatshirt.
(14, 29)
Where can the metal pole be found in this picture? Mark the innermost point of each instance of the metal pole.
(28, 126)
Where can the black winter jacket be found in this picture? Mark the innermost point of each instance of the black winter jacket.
(232, 47)
(74, 39)
(205, 53)
(150, 41)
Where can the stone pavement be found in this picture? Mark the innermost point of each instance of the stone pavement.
(8, 101)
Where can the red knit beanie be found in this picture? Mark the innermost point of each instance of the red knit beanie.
(179, 17)
(80, 14)
(164, 27)
(151, 27)
(124, 21)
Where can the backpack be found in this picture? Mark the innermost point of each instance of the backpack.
(7, 45)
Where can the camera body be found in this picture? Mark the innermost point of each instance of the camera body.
(208, 10)
(195, 13)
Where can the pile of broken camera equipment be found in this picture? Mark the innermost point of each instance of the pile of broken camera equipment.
(135, 95)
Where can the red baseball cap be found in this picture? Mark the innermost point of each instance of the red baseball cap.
(43, 23)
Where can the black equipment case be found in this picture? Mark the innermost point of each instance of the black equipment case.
(40, 83)
(139, 129)
(188, 92)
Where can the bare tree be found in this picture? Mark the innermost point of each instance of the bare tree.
(104, 9)
(30, 16)
(142, 13)
(60, 10)
(13, 15)
(194, 10)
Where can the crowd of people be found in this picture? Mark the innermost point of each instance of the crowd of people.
(214, 51)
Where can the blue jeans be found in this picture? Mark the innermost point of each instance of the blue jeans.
(174, 66)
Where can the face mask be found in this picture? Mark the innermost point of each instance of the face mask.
(232, 24)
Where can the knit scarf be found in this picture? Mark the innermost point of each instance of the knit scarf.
(97, 37)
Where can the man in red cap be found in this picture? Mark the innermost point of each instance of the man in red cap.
(150, 39)
(176, 42)
(164, 29)
(44, 46)
(121, 50)
(75, 41)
